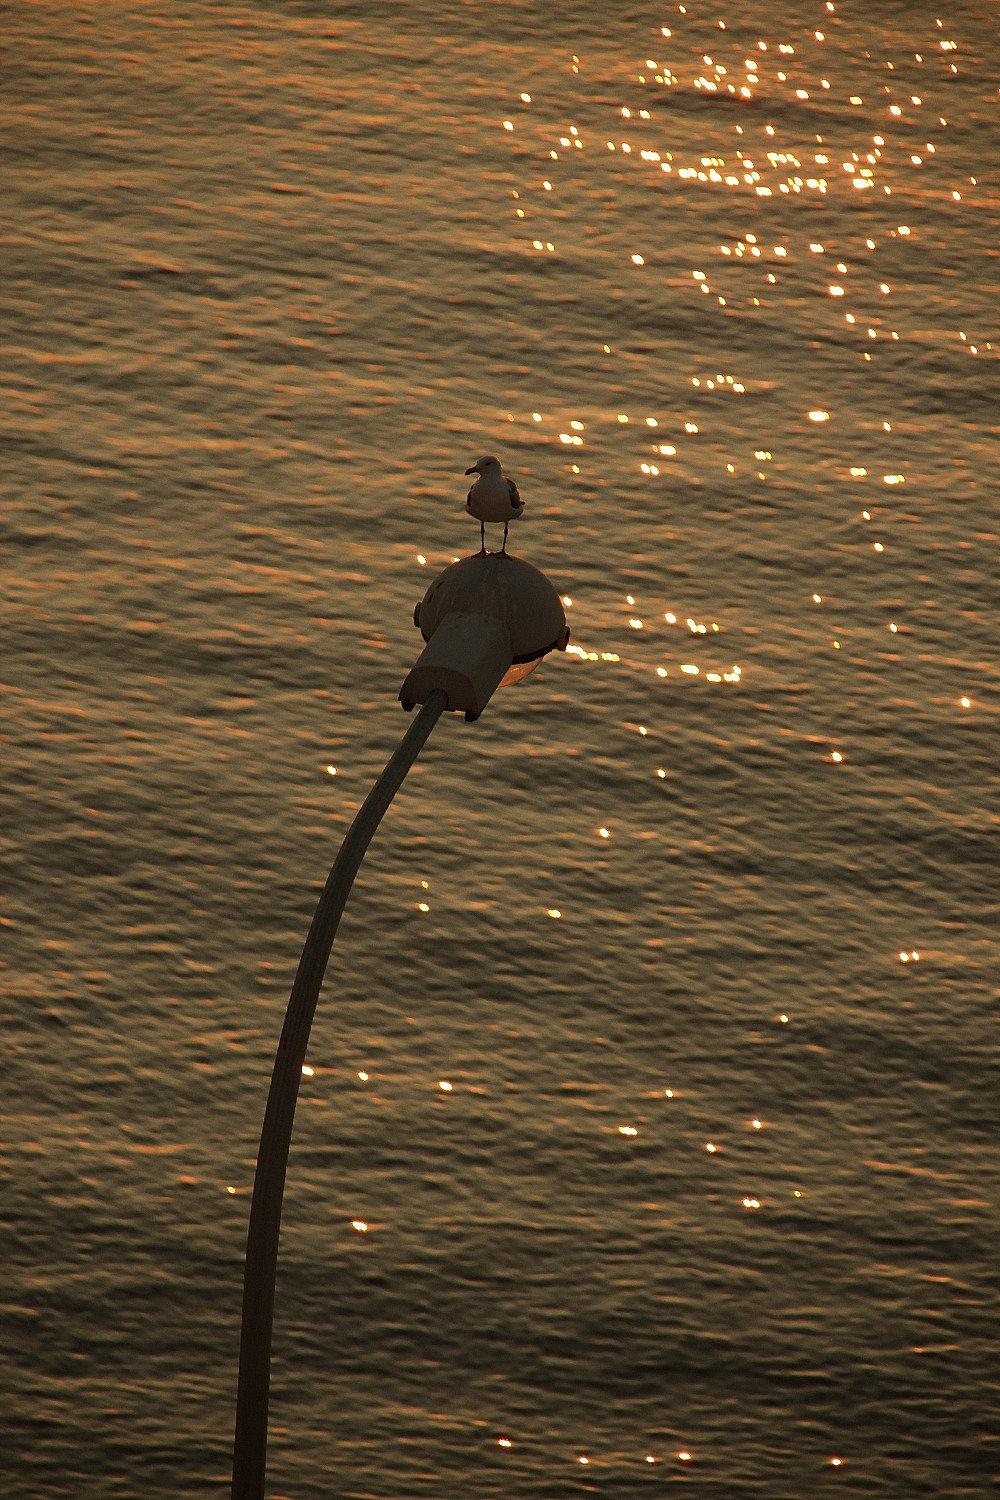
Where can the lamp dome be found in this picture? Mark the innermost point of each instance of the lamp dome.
(507, 589)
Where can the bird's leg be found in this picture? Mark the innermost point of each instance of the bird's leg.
(504, 547)
(482, 537)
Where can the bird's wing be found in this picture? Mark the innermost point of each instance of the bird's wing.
(468, 498)
(515, 498)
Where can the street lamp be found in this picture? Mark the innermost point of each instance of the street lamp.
(487, 621)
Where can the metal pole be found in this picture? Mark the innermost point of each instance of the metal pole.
(250, 1448)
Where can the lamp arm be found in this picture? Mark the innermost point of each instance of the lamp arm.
(250, 1448)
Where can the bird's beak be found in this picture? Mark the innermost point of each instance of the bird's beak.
(473, 470)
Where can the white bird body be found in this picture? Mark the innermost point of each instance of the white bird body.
(493, 497)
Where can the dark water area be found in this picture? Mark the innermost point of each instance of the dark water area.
(699, 923)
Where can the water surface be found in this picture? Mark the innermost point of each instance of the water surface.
(698, 924)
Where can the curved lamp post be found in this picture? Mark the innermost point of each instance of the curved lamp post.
(487, 621)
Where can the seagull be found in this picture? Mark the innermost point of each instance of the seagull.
(493, 497)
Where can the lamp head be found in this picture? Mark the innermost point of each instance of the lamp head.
(488, 621)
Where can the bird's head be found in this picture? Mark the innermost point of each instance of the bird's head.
(482, 464)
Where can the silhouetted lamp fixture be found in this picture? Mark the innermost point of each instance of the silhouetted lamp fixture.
(487, 622)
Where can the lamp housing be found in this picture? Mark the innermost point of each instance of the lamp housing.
(488, 620)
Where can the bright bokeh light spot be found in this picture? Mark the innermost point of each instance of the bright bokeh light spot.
(445, 1086)
(554, 911)
(307, 1072)
(359, 1225)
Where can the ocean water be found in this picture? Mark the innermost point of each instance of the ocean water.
(698, 923)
